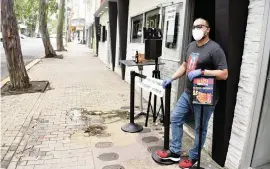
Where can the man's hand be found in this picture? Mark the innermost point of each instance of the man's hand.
(166, 82)
(194, 73)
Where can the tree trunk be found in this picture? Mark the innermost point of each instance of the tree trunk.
(12, 45)
(43, 8)
(60, 45)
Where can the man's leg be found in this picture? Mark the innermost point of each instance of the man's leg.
(193, 153)
(178, 118)
(207, 112)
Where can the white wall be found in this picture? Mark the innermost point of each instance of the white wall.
(79, 10)
(246, 87)
(171, 57)
(117, 66)
(102, 51)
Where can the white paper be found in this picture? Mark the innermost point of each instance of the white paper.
(170, 13)
(152, 85)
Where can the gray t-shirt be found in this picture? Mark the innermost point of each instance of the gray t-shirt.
(209, 56)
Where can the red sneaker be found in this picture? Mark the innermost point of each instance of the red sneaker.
(168, 155)
(187, 163)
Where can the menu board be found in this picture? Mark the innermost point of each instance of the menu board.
(204, 90)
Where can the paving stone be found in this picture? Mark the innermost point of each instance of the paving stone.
(52, 161)
(29, 167)
(86, 167)
(43, 166)
(12, 165)
(35, 162)
(4, 164)
(22, 163)
(9, 155)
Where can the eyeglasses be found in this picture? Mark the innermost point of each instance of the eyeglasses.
(199, 26)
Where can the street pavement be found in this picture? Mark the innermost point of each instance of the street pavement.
(32, 48)
(76, 124)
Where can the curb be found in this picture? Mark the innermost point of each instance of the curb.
(27, 67)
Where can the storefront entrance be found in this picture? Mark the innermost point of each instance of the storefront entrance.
(228, 21)
(203, 9)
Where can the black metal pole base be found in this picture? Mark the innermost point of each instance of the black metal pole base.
(161, 161)
(132, 128)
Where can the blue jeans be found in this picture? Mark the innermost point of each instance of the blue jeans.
(179, 117)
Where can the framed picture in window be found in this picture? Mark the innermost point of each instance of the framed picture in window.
(136, 29)
(152, 18)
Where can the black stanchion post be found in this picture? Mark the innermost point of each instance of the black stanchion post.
(132, 96)
(206, 85)
(166, 129)
(155, 109)
(132, 127)
(200, 139)
(167, 117)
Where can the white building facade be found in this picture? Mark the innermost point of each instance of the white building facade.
(245, 125)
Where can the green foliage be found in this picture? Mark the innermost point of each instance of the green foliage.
(27, 11)
(52, 6)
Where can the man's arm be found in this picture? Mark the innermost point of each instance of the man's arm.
(220, 74)
(220, 65)
(180, 72)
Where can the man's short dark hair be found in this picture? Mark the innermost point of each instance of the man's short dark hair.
(206, 21)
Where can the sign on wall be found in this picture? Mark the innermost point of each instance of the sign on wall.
(170, 13)
(172, 24)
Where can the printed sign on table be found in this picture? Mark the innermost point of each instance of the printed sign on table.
(203, 90)
(153, 85)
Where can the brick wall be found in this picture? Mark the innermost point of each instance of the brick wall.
(247, 88)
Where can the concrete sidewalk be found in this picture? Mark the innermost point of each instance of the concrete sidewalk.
(47, 130)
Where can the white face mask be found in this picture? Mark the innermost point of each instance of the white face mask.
(197, 34)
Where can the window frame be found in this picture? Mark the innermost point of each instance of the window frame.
(131, 26)
(159, 9)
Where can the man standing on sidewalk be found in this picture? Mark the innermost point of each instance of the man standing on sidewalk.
(203, 57)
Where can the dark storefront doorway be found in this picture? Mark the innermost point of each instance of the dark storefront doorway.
(203, 9)
(228, 21)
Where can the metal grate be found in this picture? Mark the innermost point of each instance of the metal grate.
(116, 166)
(150, 139)
(108, 156)
(104, 144)
(152, 149)
(146, 130)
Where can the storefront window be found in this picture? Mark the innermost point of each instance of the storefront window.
(136, 34)
(171, 21)
(152, 19)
